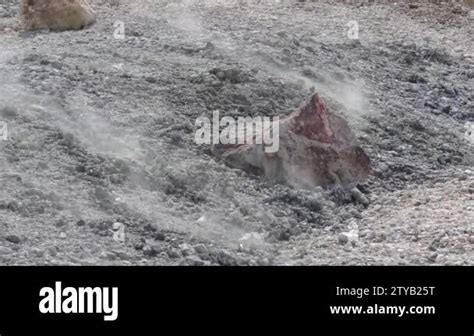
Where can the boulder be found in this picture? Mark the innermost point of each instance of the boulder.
(56, 15)
(469, 3)
(316, 148)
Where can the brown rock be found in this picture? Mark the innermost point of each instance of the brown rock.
(56, 15)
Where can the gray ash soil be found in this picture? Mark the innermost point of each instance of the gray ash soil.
(101, 131)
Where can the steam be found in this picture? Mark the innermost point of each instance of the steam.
(344, 94)
(99, 135)
(348, 94)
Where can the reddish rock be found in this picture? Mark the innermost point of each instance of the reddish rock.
(316, 148)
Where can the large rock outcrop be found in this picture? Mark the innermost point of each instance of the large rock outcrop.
(316, 148)
(56, 15)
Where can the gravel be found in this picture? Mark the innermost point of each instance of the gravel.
(101, 131)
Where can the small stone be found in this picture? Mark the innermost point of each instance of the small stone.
(108, 256)
(284, 235)
(359, 197)
(37, 252)
(433, 257)
(201, 251)
(263, 262)
(5, 250)
(121, 254)
(117, 226)
(149, 251)
(52, 251)
(294, 231)
(194, 261)
(220, 75)
(444, 242)
(381, 237)
(225, 259)
(150, 227)
(314, 203)
(151, 80)
(174, 253)
(435, 244)
(186, 249)
(12, 238)
(9, 112)
(16, 247)
(13, 206)
(343, 239)
(62, 235)
(355, 213)
(159, 236)
(377, 208)
(242, 261)
(60, 223)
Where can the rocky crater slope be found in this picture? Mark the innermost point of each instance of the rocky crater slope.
(100, 166)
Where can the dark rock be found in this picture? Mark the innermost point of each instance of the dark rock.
(151, 80)
(121, 254)
(381, 237)
(186, 249)
(150, 227)
(432, 258)
(160, 236)
(263, 262)
(417, 125)
(60, 223)
(359, 197)
(435, 244)
(314, 203)
(139, 246)
(174, 253)
(446, 109)
(201, 251)
(149, 251)
(415, 79)
(9, 112)
(234, 76)
(193, 261)
(284, 235)
(12, 238)
(13, 206)
(342, 239)
(52, 251)
(225, 259)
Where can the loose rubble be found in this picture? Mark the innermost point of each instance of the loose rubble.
(101, 167)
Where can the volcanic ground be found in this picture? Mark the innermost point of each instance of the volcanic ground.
(100, 164)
